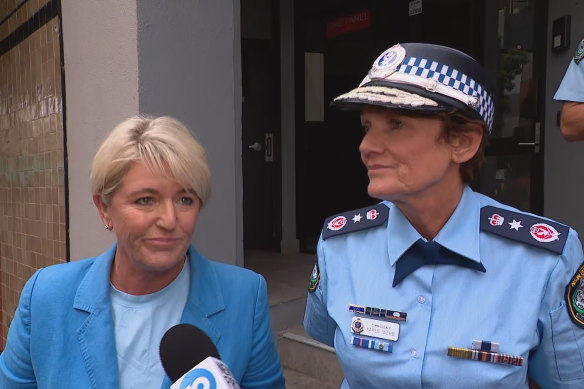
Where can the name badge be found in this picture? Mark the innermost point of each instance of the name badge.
(375, 328)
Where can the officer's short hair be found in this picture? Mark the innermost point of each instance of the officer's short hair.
(163, 143)
(455, 123)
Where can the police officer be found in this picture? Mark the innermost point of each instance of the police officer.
(571, 93)
(438, 286)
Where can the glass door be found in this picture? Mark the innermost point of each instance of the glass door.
(513, 172)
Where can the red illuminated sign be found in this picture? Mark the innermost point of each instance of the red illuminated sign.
(350, 23)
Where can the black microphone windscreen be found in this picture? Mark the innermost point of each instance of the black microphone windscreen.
(183, 347)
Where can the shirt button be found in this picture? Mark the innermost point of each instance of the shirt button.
(414, 353)
(421, 299)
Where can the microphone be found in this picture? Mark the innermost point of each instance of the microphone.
(191, 360)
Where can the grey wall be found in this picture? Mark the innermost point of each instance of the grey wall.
(179, 58)
(101, 89)
(564, 161)
(189, 64)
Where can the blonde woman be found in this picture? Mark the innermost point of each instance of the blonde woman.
(98, 322)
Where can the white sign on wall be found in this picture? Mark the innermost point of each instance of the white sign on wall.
(415, 7)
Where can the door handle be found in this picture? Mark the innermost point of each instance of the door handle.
(269, 147)
(536, 135)
(255, 147)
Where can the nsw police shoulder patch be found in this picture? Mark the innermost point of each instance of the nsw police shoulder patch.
(575, 297)
(314, 278)
(533, 230)
(357, 220)
(579, 53)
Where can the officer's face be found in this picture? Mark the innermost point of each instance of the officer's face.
(154, 219)
(406, 157)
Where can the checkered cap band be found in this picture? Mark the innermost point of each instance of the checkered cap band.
(451, 78)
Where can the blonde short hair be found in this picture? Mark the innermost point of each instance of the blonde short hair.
(163, 143)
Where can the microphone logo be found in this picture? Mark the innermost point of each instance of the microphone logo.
(198, 379)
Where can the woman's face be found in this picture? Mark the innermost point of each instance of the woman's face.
(153, 218)
(405, 156)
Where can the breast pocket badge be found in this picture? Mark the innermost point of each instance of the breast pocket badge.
(375, 328)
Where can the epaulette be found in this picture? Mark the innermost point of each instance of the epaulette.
(579, 53)
(357, 220)
(529, 229)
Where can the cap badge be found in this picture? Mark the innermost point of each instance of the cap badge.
(388, 62)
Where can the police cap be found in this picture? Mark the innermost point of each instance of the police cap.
(426, 78)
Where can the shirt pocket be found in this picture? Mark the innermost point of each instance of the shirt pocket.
(566, 350)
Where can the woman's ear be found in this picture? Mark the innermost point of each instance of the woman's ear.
(466, 144)
(102, 209)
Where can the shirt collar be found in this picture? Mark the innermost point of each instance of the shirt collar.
(460, 233)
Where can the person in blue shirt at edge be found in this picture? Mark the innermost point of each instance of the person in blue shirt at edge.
(571, 93)
(438, 286)
(98, 322)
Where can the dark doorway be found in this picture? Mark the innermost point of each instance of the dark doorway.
(261, 125)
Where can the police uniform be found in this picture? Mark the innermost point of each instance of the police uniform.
(497, 295)
(572, 85)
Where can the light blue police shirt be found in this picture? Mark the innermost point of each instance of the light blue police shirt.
(518, 302)
(572, 86)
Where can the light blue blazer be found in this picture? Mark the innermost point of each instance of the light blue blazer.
(62, 334)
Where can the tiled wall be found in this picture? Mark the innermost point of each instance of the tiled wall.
(33, 229)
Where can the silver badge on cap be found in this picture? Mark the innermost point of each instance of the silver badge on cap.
(388, 62)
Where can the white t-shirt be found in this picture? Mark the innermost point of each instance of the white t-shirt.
(139, 324)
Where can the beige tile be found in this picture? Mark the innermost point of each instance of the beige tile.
(32, 203)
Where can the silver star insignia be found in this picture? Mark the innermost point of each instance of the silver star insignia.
(357, 218)
(515, 225)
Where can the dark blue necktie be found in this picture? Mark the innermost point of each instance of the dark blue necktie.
(429, 253)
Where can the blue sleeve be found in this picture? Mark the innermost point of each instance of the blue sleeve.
(572, 86)
(317, 322)
(264, 369)
(16, 367)
(558, 362)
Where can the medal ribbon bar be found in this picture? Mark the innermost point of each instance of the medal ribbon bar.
(378, 312)
(485, 356)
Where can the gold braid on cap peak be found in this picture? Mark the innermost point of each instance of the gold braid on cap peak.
(383, 94)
